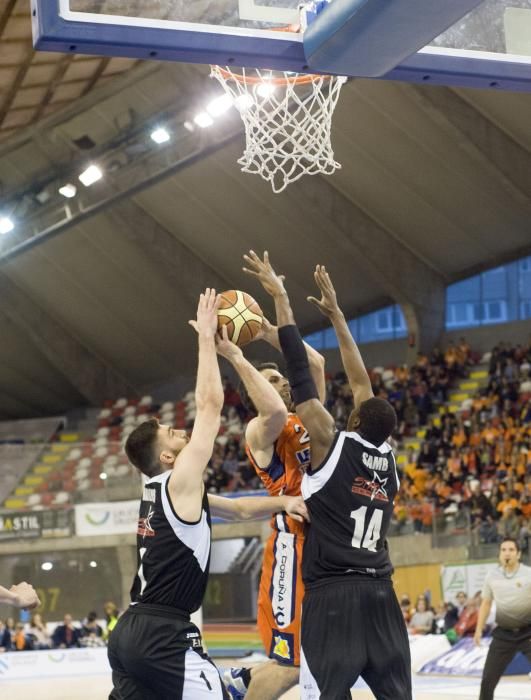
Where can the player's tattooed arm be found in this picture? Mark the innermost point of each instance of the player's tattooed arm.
(353, 364)
(264, 429)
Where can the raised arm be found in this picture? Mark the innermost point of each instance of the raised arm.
(187, 475)
(255, 507)
(264, 429)
(353, 364)
(315, 418)
(269, 333)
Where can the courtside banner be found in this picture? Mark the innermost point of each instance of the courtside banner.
(52, 663)
(463, 659)
(107, 518)
(466, 659)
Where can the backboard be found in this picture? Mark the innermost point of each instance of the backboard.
(450, 42)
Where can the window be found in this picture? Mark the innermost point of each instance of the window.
(386, 324)
(496, 296)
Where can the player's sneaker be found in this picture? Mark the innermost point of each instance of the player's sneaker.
(234, 683)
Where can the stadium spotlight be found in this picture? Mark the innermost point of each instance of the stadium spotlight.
(160, 135)
(91, 175)
(103, 476)
(265, 89)
(68, 190)
(219, 105)
(6, 225)
(203, 119)
(46, 566)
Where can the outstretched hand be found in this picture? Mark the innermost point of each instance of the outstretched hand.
(225, 347)
(296, 509)
(263, 271)
(327, 305)
(207, 313)
(25, 596)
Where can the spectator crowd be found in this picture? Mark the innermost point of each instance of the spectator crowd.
(470, 467)
(36, 634)
(455, 619)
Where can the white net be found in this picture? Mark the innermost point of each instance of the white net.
(287, 118)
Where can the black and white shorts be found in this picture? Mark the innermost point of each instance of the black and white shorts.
(156, 654)
(353, 628)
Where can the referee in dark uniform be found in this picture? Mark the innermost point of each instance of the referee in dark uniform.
(352, 624)
(155, 651)
(509, 586)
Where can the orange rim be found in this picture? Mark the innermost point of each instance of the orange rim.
(302, 79)
(299, 79)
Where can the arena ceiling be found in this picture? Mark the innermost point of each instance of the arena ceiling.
(435, 185)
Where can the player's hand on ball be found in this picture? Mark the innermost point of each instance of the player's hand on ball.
(266, 331)
(207, 313)
(327, 305)
(225, 347)
(296, 508)
(262, 270)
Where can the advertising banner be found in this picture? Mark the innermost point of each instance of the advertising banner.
(41, 523)
(464, 577)
(53, 663)
(20, 526)
(466, 659)
(119, 518)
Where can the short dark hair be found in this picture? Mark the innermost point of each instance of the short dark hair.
(377, 420)
(140, 447)
(511, 539)
(242, 391)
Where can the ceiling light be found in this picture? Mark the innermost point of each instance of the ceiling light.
(219, 105)
(6, 225)
(189, 126)
(265, 89)
(243, 102)
(160, 136)
(103, 476)
(93, 564)
(68, 191)
(203, 119)
(91, 175)
(46, 566)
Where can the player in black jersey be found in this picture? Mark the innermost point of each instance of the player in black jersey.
(352, 624)
(155, 651)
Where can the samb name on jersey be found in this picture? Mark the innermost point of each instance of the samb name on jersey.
(375, 462)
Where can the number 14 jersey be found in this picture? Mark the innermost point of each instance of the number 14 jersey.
(350, 498)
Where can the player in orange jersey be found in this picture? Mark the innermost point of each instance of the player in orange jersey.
(279, 449)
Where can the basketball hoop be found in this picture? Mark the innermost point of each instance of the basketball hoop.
(287, 119)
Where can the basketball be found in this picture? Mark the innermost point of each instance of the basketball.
(242, 316)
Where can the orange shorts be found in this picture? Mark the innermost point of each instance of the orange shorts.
(280, 598)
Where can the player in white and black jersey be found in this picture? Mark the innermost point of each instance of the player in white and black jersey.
(155, 651)
(352, 624)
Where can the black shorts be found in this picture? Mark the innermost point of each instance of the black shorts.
(157, 654)
(354, 627)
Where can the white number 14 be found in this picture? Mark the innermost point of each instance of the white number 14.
(368, 539)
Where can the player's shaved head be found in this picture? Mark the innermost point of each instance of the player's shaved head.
(374, 421)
